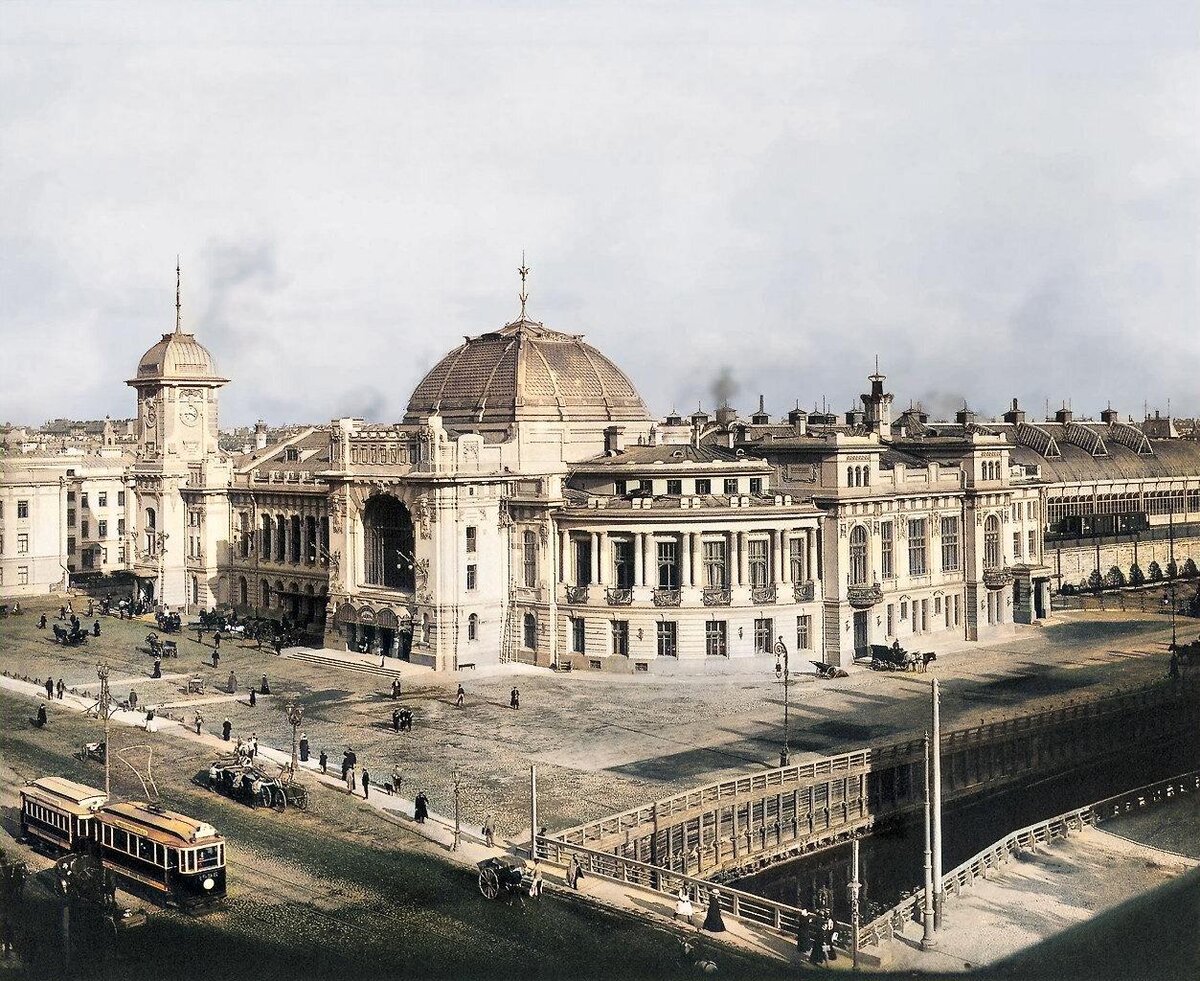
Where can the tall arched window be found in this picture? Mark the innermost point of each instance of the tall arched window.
(264, 548)
(866, 474)
(530, 632)
(849, 476)
(530, 559)
(389, 543)
(473, 627)
(243, 590)
(265, 593)
(991, 542)
(858, 556)
(280, 538)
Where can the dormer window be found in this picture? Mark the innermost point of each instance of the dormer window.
(291, 454)
(620, 488)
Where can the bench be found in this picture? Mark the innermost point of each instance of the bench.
(466, 665)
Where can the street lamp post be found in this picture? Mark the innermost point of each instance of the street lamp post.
(295, 715)
(782, 671)
(457, 821)
(104, 704)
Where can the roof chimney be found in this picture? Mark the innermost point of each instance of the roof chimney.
(1110, 415)
(614, 439)
(799, 420)
(260, 435)
(760, 418)
(1063, 415)
(726, 414)
(1015, 415)
(855, 417)
(964, 416)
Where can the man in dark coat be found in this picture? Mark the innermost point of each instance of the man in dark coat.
(49, 688)
(226, 729)
(303, 748)
(395, 720)
(96, 629)
(713, 922)
(514, 699)
(264, 688)
(366, 781)
(421, 810)
(324, 762)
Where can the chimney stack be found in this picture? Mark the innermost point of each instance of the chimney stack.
(1015, 415)
(260, 435)
(760, 418)
(614, 439)
(1110, 415)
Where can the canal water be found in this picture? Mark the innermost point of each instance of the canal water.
(891, 860)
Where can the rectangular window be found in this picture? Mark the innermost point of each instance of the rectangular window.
(83, 499)
(120, 499)
(764, 636)
(757, 560)
(583, 561)
(903, 610)
(121, 553)
(668, 564)
(716, 573)
(668, 638)
(22, 509)
(70, 498)
(620, 638)
(71, 517)
(674, 487)
(22, 543)
(619, 488)
(83, 528)
(121, 528)
(472, 576)
(937, 605)
(22, 575)
(804, 633)
(623, 563)
(796, 559)
(472, 538)
(646, 487)
(1017, 546)
(102, 528)
(529, 559)
(578, 635)
(703, 485)
(891, 619)
(756, 485)
(916, 547)
(950, 544)
(714, 639)
(102, 499)
(887, 539)
(1032, 553)
(70, 543)
(731, 485)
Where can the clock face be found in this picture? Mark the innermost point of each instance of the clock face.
(189, 415)
(150, 413)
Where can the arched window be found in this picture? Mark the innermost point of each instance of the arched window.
(530, 559)
(280, 538)
(151, 519)
(294, 538)
(244, 534)
(195, 590)
(858, 556)
(265, 592)
(243, 591)
(279, 593)
(473, 627)
(849, 476)
(390, 539)
(264, 548)
(530, 631)
(866, 476)
(991, 542)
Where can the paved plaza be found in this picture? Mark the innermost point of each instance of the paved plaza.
(601, 742)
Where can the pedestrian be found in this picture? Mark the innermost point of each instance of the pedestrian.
(226, 729)
(199, 722)
(264, 688)
(62, 689)
(96, 629)
(232, 683)
(253, 698)
(514, 699)
(817, 953)
(395, 688)
(303, 748)
(157, 672)
(216, 641)
(132, 700)
(49, 688)
(460, 697)
(62, 613)
(395, 720)
(683, 905)
(216, 657)
(366, 782)
(489, 832)
(42, 622)
(396, 779)
(150, 726)
(574, 872)
(253, 745)
(41, 715)
(713, 922)
(421, 808)
(351, 779)
(324, 761)
(345, 764)
(536, 884)
(199, 635)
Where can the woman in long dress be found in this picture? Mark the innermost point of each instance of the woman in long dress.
(712, 920)
(683, 905)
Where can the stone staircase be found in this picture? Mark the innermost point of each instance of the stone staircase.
(344, 664)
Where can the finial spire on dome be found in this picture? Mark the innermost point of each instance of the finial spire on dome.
(523, 296)
(178, 302)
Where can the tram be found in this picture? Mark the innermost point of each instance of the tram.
(177, 858)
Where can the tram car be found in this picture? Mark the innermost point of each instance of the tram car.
(177, 857)
(58, 814)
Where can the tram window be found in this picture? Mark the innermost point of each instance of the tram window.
(120, 840)
(208, 858)
(145, 850)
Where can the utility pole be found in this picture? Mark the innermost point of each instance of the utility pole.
(104, 705)
(457, 822)
(936, 770)
(782, 671)
(1172, 565)
(927, 939)
(533, 817)
(855, 885)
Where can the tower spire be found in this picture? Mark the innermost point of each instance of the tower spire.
(178, 302)
(523, 296)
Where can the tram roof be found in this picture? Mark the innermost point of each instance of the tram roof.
(65, 795)
(140, 818)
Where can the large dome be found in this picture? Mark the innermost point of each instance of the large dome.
(526, 372)
(177, 357)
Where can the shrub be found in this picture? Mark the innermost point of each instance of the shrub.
(1155, 572)
(1115, 578)
(1136, 576)
(1172, 569)
(1067, 589)
(1095, 583)
(1189, 569)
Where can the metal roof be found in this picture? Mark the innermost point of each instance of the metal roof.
(139, 818)
(65, 795)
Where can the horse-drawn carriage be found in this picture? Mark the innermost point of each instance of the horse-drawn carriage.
(195, 685)
(239, 779)
(168, 623)
(162, 648)
(74, 637)
(504, 876)
(896, 658)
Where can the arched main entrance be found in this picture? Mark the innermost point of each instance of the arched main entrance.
(388, 541)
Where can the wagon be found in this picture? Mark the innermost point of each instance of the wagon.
(251, 784)
(195, 685)
(503, 875)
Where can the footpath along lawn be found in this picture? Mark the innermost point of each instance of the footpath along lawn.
(337, 892)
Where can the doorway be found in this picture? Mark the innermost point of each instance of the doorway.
(861, 641)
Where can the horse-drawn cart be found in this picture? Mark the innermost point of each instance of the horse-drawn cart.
(242, 780)
(503, 876)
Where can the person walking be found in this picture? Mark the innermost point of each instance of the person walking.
(303, 748)
(61, 689)
(683, 905)
(489, 832)
(133, 700)
(345, 765)
(253, 698)
(96, 629)
(232, 683)
(713, 922)
(253, 745)
(157, 672)
(150, 726)
(460, 698)
(395, 720)
(514, 699)
(216, 658)
(574, 872)
(264, 688)
(366, 782)
(351, 780)
(395, 688)
(324, 761)
(199, 721)
(42, 622)
(421, 808)
(49, 689)
(216, 641)
(396, 779)
(226, 729)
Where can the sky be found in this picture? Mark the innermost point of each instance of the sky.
(998, 199)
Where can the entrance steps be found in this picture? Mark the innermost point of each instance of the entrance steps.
(347, 662)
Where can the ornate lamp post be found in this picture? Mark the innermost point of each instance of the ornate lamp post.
(295, 715)
(104, 706)
(781, 671)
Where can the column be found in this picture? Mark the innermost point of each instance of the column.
(649, 567)
(779, 560)
(639, 568)
(685, 560)
(595, 558)
(601, 556)
(304, 544)
(697, 563)
(562, 556)
(810, 567)
(738, 540)
(785, 560)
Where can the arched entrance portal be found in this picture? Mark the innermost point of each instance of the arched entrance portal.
(388, 540)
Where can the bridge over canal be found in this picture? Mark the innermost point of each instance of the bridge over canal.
(740, 824)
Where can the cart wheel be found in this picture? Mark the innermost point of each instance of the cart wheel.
(280, 799)
(264, 797)
(489, 883)
(301, 800)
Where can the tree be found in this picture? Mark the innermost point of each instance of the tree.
(1155, 572)
(1136, 576)
(1189, 569)
(1172, 569)
(1095, 583)
(1115, 578)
